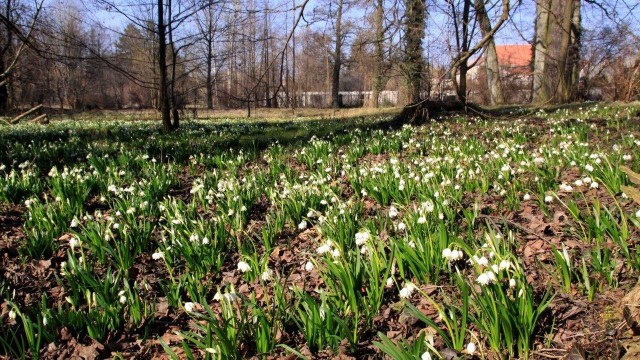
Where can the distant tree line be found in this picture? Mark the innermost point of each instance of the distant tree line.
(167, 54)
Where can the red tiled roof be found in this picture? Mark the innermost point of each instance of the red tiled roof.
(514, 55)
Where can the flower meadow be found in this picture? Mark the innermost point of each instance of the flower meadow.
(459, 238)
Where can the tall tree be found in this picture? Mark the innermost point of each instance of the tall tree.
(555, 72)
(494, 83)
(337, 57)
(414, 61)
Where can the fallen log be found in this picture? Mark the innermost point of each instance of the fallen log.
(16, 119)
(42, 119)
(423, 111)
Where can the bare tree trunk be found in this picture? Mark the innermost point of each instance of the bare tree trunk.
(337, 60)
(378, 76)
(415, 16)
(162, 64)
(494, 83)
(539, 91)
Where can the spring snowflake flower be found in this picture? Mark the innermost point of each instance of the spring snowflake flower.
(205, 241)
(526, 197)
(323, 249)
(422, 220)
(12, 315)
(486, 278)
(73, 242)
(158, 255)
(638, 214)
(587, 180)
(393, 212)
(74, 223)
(428, 206)
(243, 266)
(504, 264)
(588, 167)
(548, 198)
(578, 182)
(45, 321)
(407, 291)
(452, 255)
(123, 298)
(302, 225)
(211, 350)
(116, 225)
(229, 297)
(425, 356)
(627, 157)
(594, 185)
(471, 348)
(512, 283)
(389, 282)
(189, 307)
(308, 266)
(402, 226)
(482, 261)
(267, 275)
(538, 161)
(335, 253)
(362, 237)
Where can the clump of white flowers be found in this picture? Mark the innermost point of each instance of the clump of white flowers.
(452, 255)
(393, 212)
(407, 290)
(486, 278)
(243, 266)
(362, 237)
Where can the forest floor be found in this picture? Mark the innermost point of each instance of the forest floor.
(323, 238)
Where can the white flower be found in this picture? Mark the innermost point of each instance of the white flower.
(402, 226)
(362, 237)
(486, 278)
(504, 264)
(205, 241)
(211, 350)
(626, 157)
(446, 253)
(482, 261)
(526, 197)
(578, 183)
(512, 283)
(389, 282)
(302, 225)
(229, 297)
(548, 199)
(471, 348)
(335, 253)
(538, 161)
(243, 266)
(123, 299)
(393, 212)
(422, 220)
(425, 356)
(189, 307)
(587, 180)
(116, 225)
(308, 266)
(158, 255)
(12, 315)
(407, 291)
(588, 167)
(638, 214)
(74, 223)
(594, 185)
(44, 321)
(73, 242)
(325, 248)
(267, 275)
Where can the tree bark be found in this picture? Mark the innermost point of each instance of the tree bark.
(539, 90)
(163, 95)
(414, 32)
(337, 60)
(378, 76)
(494, 83)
